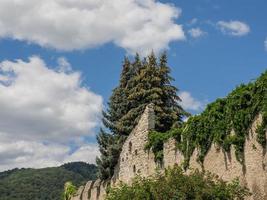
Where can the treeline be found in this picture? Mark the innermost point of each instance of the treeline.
(142, 81)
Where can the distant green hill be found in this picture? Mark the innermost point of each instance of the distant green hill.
(43, 184)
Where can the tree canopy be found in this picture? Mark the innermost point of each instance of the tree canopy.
(141, 82)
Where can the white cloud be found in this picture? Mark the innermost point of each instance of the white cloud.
(42, 110)
(234, 28)
(64, 65)
(190, 103)
(86, 153)
(192, 22)
(40, 103)
(134, 25)
(196, 32)
(38, 155)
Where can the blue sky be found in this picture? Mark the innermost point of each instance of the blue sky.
(213, 46)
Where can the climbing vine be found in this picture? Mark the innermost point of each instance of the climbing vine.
(156, 141)
(224, 122)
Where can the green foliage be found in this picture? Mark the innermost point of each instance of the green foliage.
(43, 184)
(69, 190)
(110, 143)
(156, 141)
(141, 83)
(118, 104)
(87, 171)
(152, 84)
(175, 184)
(110, 148)
(214, 125)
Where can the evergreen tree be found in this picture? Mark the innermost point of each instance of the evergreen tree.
(172, 111)
(141, 83)
(152, 84)
(110, 143)
(118, 104)
(110, 148)
(144, 90)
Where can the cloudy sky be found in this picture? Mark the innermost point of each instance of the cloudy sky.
(60, 59)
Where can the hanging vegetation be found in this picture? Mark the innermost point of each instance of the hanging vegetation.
(224, 122)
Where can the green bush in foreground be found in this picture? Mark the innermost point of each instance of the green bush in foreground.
(69, 191)
(175, 185)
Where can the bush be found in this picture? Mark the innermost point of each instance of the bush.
(174, 184)
(69, 191)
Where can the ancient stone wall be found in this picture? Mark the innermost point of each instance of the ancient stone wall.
(134, 159)
(252, 174)
(93, 190)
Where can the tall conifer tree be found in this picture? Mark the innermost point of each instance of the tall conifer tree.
(141, 83)
(172, 112)
(110, 148)
(152, 84)
(118, 102)
(110, 142)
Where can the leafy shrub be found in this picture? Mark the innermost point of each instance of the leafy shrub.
(69, 191)
(156, 141)
(174, 184)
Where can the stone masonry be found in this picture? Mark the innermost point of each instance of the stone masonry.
(252, 174)
(134, 159)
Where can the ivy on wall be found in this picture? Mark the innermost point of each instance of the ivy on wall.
(224, 122)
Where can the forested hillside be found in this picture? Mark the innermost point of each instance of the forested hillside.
(43, 184)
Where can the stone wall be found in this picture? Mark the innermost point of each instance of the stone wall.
(135, 160)
(252, 174)
(93, 190)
